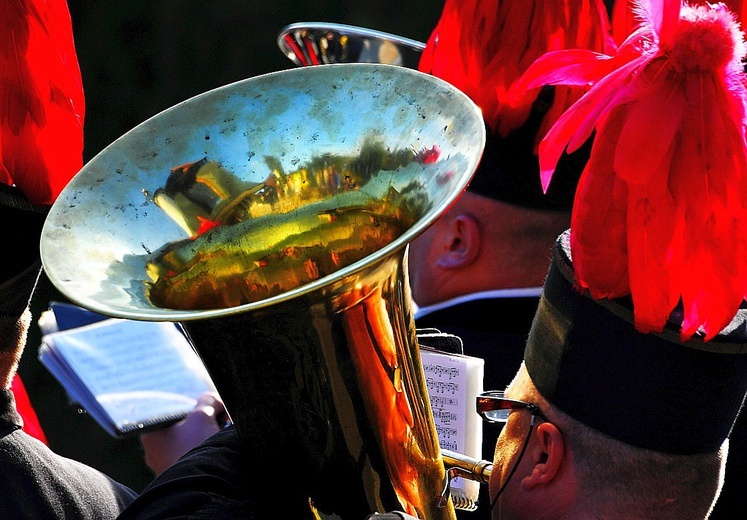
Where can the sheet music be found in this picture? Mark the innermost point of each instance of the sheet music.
(453, 382)
(127, 374)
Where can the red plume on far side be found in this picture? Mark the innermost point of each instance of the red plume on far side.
(42, 107)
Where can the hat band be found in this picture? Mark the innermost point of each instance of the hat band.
(643, 389)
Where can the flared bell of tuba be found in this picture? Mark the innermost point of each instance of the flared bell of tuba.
(270, 217)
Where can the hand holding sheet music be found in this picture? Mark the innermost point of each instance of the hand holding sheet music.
(131, 376)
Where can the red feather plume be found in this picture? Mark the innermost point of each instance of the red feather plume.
(31, 424)
(41, 99)
(483, 46)
(661, 208)
(625, 18)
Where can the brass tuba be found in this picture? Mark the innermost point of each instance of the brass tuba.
(270, 218)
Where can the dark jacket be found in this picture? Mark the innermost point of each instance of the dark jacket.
(38, 484)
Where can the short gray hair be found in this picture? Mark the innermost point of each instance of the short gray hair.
(619, 480)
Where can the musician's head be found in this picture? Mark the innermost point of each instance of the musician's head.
(483, 48)
(616, 423)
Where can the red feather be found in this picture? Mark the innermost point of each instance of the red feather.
(625, 17)
(31, 424)
(606, 260)
(663, 200)
(483, 46)
(41, 100)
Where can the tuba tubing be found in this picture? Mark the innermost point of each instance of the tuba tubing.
(461, 465)
(331, 385)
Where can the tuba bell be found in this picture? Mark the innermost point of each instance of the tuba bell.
(270, 218)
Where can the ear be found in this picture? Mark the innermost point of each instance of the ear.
(462, 242)
(547, 456)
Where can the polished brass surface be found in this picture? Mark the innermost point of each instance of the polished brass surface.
(467, 467)
(323, 378)
(249, 242)
(323, 43)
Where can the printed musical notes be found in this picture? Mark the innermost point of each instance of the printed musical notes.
(453, 382)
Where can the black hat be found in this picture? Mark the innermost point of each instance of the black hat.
(509, 168)
(649, 390)
(22, 263)
(24, 224)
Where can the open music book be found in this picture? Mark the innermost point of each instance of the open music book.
(130, 376)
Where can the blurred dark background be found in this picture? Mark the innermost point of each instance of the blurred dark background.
(139, 58)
